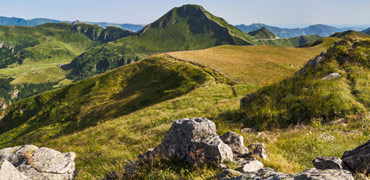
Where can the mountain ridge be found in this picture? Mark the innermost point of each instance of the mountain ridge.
(317, 29)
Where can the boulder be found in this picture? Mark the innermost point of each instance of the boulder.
(249, 164)
(309, 174)
(41, 163)
(327, 163)
(258, 149)
(236, 142)
(195, 141)
(358, 159)
(9, 172)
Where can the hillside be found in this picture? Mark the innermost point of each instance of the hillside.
(366, 31)
(184, 28)
(329, 87)
(318, 29)
(294, 41)
(350, 34)
(248, 64)
(262, 33)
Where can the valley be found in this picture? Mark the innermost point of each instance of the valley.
(109, 95)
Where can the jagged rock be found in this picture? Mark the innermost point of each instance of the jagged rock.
(313, 62)
(309, 174)
(358, 159)
(332, 76)
(9, 172)
(195, 141)
(236, 142)
(328, 163)
(249, 165)
(258, 149)
(40, 163)
(226, 173)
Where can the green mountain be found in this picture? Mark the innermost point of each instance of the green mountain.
(101, 98)
(317, 29)
(295, 41)
(184, 28)
(366, 31)
(262, 33)
(331, 86)
(13, 21)
(350, 34)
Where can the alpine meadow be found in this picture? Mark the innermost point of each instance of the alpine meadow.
(188, 96)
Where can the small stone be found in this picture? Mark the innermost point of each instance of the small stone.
(236, 142)
(327, 137)
(332, 76)
(258, 149)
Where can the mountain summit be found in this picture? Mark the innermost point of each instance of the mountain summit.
(188, 27)
(262, 33)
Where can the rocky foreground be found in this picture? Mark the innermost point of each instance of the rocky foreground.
(32, 163)
(193, 141)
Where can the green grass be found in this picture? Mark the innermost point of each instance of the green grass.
(104, 142)
(307, 97)
(295, 41)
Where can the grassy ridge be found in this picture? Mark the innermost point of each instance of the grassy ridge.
(308, 98)
(295, 41)
(98, 99)
(249, 64)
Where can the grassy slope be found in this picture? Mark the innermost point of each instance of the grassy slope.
(50, 47)
(308, 98)
(98, 99)
(185, 28)
(295, 41)
(248, 64)
(109, 144)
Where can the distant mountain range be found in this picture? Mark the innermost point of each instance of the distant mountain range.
(13, 21)
(318, 29)
(366, 31)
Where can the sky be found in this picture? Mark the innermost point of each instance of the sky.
(284, 13)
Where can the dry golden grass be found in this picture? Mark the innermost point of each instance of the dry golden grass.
(252, 64)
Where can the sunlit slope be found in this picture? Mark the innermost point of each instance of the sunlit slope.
(252, 64)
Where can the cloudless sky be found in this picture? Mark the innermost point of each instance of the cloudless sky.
(273, 12)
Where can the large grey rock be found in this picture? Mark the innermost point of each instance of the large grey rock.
(9, 172)
(358, 159)
(236, 142)
(309, 174)
(195, 141)
(41, 163)
(327, 163)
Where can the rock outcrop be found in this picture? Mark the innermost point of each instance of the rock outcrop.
(309, 174)
(40, 163)
(358, 159)
(196, 142)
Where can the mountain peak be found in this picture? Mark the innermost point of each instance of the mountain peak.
(262, 33)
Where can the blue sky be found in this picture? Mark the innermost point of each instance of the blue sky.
(286, 13)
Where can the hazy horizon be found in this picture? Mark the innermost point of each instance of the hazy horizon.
(285, 13)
